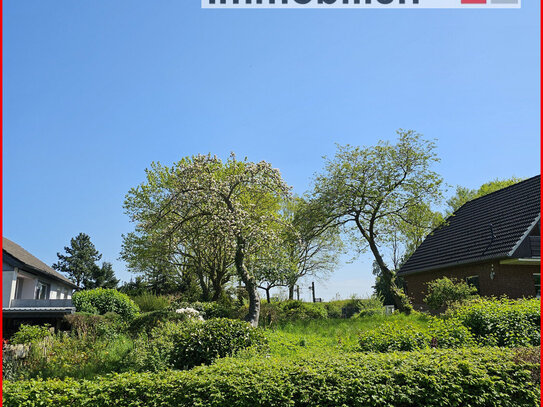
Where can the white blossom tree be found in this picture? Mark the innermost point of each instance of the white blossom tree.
(239, 201)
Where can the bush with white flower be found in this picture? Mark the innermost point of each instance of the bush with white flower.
(190, 313)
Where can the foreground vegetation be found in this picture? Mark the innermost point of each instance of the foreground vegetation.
(477, 377)
(484, 352)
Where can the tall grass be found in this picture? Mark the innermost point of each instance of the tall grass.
(329, 335)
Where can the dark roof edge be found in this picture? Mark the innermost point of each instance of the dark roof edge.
(525, 235)
(458, 263)
(31, 269)
(501, 189)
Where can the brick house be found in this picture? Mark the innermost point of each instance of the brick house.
(492, 242)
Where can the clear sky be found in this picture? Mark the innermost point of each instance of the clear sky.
(95, 91)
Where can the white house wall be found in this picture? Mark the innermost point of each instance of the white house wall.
(9, 279)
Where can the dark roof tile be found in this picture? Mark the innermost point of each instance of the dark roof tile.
(466, 236)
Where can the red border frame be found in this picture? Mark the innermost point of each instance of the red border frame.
(1, 156)
(1, 170)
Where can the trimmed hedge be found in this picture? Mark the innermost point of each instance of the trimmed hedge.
(475, 378)
(101, 301)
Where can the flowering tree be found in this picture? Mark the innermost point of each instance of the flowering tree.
(237, 201)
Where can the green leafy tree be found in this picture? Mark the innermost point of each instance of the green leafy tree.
(271, 268)
(444, 291)
(79, 262)
(464, 194)
(371, 190)
(239, 201)
(188, 263)
(381, 289)
(313, 250)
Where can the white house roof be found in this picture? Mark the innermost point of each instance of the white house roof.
(31, 263)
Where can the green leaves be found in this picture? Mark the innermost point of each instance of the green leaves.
(382, 196)
(444, 292)
(102, 301)
(501, 322)
(80, 264)
(430, 378)
(193, 343)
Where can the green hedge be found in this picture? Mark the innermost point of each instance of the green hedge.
(400, 336)
(148, 302)
(475, 378)
(501, 322)
(192, 343)
(101, 301)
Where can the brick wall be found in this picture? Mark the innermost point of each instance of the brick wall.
(515, 281)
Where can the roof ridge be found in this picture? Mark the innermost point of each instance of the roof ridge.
(498, 190)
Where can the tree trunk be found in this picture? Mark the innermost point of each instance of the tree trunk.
(400, 299)
(267, 294)
(389, 277)
(204, 287)
(250, 284)
(217, 289)
(291, 292)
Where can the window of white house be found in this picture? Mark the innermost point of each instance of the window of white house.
(42, 291)
(537, 284)
(19, 288)
(474, 282)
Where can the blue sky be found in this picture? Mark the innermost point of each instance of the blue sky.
(96, 91)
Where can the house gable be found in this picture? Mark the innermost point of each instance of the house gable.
(495, 226)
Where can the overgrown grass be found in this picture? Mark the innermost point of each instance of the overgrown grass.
(330, 335)
(80, 358)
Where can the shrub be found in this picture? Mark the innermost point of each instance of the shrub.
(394, 336)
(30, 333)
(201, 343)
(154, 352)
(431, 378)
(501, 322)
(333, 309)
(449, 334)
(102, 301)
(108, 325)
(443, 292)
(401, 336)
(149, 302)
(298, 310)
(362, 307)
(193, 343)
(144, 323)
(207, 309)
